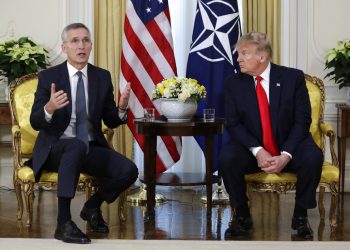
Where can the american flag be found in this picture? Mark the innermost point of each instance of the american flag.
(148, 58)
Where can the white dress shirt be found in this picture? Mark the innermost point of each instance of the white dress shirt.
(265, 83)
(73, 80)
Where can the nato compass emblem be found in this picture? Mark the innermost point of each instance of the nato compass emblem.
(218, 31)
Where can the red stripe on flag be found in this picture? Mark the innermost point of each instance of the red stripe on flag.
(141, 52)
(154, 71)
(136, 85)
(143, 98)
(167, 14)
(162, 43)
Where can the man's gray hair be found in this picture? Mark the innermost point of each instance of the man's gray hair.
(257, 38)
(73, 26)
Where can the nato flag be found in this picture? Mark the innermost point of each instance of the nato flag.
(213, 56)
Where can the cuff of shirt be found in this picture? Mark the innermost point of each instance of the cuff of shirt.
(123, 115)
(48, 116)
(255, 150)
(285, 152)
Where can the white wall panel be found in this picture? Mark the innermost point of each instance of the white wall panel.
(309, 29)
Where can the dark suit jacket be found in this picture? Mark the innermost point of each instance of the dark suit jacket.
(289, 109)
(101, 107)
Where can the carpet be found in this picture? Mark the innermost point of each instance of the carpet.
(52, 244)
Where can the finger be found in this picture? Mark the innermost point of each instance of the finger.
(61, 100)
(53, 88)
(59, 94)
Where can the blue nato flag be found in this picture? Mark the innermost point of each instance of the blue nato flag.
(213, 56)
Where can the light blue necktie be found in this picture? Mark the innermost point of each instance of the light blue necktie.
(81, 114)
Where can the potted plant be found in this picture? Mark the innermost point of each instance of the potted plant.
(21, 57)
(179, 97)
(338, 60)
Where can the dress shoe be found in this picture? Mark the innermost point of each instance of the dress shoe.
(240, 227)
(301, 224)
(94, 217)
(70, 233)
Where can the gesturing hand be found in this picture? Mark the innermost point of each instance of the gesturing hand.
(57, 100)
(124, 97)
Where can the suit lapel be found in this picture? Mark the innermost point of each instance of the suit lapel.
(64, 84)
(92, 89)
(254, 108)
(275, 92)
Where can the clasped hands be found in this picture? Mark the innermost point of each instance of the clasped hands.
(271, 164)
(59, 99)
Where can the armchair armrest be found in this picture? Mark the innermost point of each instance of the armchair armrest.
(16, 147)
(108, 133)
(327, 130)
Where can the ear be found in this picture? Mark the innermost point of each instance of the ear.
(63, 47)
(263, 57)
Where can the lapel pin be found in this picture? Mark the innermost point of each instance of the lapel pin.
(278, 84)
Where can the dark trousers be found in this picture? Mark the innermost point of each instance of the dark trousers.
(235, 161)
(68, 157)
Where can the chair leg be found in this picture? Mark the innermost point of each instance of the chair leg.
(18, 191)
(333, 212)
(28, 197)
(121, 206)
(320, 203)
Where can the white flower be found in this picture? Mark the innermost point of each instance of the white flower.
(180, 88)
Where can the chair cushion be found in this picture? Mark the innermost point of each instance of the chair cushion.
(270, 178)
(27, 174)
(330, 173)
(24, 98)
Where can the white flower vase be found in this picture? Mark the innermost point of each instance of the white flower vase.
(177, 111)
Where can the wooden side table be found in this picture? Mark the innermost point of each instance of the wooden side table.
(343, 132)
(160, 127)
(5, 119)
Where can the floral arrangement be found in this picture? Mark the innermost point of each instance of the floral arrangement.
(338, 59)
(21, 57)
(181, 88)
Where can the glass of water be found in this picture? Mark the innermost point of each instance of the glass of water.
(209, 115)
(148, 114)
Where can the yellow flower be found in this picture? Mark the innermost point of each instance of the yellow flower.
(180, 88)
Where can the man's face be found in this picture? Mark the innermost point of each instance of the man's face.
(77, 47)
(249, 59)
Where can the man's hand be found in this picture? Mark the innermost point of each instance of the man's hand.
(57, 100)
(124, 98)
(277, 163)
(263, 158)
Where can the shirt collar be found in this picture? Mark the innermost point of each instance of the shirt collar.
(72, 71)
(266, 73)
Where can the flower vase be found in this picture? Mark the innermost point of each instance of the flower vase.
(177, 111)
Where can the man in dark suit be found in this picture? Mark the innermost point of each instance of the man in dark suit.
(268, 117)
(71, 101)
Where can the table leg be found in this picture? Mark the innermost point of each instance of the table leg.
(150, 153)
(209, 148)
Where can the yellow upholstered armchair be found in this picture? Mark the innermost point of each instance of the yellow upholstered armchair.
(21, 100)
(284, 182)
